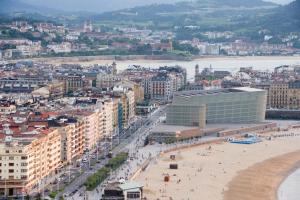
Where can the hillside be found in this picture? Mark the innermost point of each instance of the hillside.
(284, 19)
(208, 14)
(11, 7)
(8, 6)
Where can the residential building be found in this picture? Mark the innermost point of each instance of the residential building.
(107, 109)
(25, 162)
(105, 81)
(294, 95)
(7, 108)
(64, 47)
(72, 83)
(161, 87)
(72, 132)
(25, 85)
(278, 95)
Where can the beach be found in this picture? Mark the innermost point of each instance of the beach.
(223, 171)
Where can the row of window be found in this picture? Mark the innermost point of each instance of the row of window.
(13, 171)
(12, 158)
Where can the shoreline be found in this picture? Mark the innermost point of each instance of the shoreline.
(288, 188)
(267, 185)
(87, 59)
(214, 173)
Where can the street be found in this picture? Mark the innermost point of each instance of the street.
(129, 141)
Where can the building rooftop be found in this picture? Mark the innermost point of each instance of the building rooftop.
(130, 185)
(216, 91)
(164, 128)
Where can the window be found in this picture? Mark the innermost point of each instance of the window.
(24, 157)
(23, 164)
(23, 170)
(133, 195)
(11, 158)
(11, 164)
(11, 171)
(23, 177)
(7, 151)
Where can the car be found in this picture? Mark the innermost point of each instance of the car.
(65, 195)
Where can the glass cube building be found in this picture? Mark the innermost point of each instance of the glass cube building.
(235, 105)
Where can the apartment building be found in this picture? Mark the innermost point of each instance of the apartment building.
(105, 81)
(26, 84)
(128, 106)
(107, 109)
(161, 87)
(294, 95)
(24, 162)
(7, 108)
(72, 137)
(282, 95)
(72, 83)
(278, 95)
(93, 127)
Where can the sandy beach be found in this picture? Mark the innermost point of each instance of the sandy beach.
(223, 171)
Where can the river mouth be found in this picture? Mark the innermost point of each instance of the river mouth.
(290, 187)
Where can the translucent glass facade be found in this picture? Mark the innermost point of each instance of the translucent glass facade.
(238, 105)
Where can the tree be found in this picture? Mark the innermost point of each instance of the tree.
(27, 197)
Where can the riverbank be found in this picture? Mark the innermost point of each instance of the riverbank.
(213, 171)
(142, 58)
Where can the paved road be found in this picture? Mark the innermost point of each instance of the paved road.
(138, 155)
(128, 141)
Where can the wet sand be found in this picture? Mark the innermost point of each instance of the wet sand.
(262, 180)
(226, 171)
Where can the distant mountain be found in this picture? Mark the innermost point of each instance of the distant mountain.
(204, 13)
(284, 19)
(20, 6)
(96, 6)
(8, 6)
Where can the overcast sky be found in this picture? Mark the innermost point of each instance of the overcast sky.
(104, 5)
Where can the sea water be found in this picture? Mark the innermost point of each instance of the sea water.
(290, 188)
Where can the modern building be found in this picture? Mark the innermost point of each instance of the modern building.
(235, 105)
(123, 191)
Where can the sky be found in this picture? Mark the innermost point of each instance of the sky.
(105, 5)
